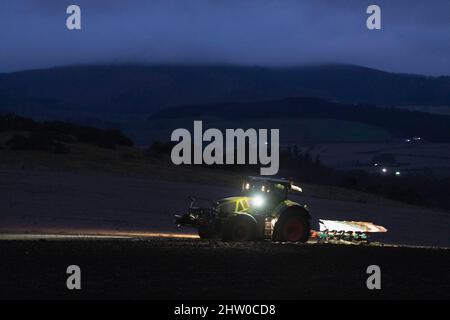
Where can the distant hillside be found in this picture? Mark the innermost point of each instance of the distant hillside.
(287, 112)
(144, 89)
(27, 134)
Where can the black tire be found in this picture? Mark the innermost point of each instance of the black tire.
(239, 229)
(292, 228)
(205, 233)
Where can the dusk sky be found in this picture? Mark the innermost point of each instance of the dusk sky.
(415, 35)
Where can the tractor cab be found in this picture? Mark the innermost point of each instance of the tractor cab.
(269, 191)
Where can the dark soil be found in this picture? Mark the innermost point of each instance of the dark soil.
(193, 269)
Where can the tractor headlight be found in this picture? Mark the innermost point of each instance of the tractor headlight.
(258, 201)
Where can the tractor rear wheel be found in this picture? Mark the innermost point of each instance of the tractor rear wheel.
(293, 228)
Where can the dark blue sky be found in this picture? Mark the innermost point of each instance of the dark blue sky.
(415, 35)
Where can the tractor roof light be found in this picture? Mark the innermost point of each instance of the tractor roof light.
(296, 188)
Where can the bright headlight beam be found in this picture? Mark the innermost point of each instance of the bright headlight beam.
(258, 201)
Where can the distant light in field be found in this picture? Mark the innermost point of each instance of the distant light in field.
(397, 173)
(384, 170)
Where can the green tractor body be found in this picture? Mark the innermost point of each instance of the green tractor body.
(262, 211)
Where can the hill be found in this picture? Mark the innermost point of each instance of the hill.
(363, 122)
(27, 134)
(97, 89)
(25, 143)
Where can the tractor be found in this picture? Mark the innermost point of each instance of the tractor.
(262, 211)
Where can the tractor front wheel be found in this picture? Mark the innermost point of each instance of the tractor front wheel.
(239, 229)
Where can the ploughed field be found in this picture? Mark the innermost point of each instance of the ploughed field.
(50, 201)
(169, 268)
